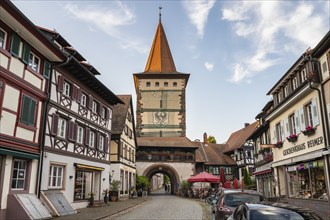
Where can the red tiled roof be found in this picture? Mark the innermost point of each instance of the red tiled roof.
(212, 154)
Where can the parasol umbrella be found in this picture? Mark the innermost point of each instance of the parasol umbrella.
(222, 177)
(235, 183)
(228, 184)
(204, 177)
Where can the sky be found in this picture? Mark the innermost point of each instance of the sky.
(234, 51)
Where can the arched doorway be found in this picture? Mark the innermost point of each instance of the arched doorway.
(166, 170)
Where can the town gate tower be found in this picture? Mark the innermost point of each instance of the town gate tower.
(161, 116)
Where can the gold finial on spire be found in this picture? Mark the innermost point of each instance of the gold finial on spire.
(160, 13)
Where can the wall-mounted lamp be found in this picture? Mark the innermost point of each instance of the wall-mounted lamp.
(103, 179)
(70, 177)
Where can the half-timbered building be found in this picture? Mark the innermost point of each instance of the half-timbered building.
(25, 57)
(123, 146)
(78, 130)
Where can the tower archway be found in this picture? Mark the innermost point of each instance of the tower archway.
(166, 170)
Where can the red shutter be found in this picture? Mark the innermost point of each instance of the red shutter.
(54, 127)
(78, 95)
(60, 83)
(87, 136)
(90, 102)
(106, 144)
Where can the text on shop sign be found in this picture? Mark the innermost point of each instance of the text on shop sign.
(308, 144)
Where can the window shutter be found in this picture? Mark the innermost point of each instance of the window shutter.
(97, 141)
(54, 127)
(90, 102)
(60, 83)
(47, 69)
(32, 111)
(74, 93)
(26, 53)
(282, 131)
(100, 108)
(315, 113)
(287, 127)
(302, 119)
(296, 118)
(275, 136)
(75, 131)
(106, 144)
(107, 113)
(72, 131)
(15, 43)
(87, 136)
(78, 95)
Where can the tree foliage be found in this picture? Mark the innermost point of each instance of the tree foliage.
(166, 179)
(211, 139)
(142, 182)
(247, 178)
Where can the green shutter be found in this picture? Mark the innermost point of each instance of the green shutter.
(32, 111)
(28, 110)
(15, 43)
(26, 54)
(47, 69)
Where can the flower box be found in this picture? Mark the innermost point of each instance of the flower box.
(309, 130)
(279, 144)
(292, 138)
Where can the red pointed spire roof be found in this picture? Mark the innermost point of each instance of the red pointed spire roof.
(160, 58)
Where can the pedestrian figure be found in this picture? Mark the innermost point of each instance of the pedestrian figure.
(165, 188)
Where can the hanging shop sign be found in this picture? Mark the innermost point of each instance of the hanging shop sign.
(303, 146)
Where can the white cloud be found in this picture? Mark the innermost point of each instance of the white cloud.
(198, 12)
(273, 28)
(110, 21)
(209, 66)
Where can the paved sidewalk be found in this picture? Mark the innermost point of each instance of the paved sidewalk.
(113, 208)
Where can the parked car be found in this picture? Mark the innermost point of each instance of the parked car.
(229, 199)
(251, 211)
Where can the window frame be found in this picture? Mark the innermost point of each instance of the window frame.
(101, 143)
(94, 106)
(83, 100)
(156, 84)
(31, 62)
(66, 88)
(62, 127)
(16, 177)
(91, 139)
(148, 84)
(59, 182)
(3, 40)
(294, 83)
(292, 124)
(80, 135)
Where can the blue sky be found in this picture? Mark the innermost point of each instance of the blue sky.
(235, 51)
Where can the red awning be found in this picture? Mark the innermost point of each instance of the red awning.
(263, 172)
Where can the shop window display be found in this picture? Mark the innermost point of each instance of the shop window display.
(83, 185)
(307, 180)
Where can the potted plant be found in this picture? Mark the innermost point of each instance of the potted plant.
(279, 144)
(309, 130)
(292, 138)
(114, 188)
(105, 197)
(91, 198)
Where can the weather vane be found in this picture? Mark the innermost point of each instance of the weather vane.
(160, 12)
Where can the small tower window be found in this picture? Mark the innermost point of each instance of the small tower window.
(175, 84)
(165, 84)
(148, 84)
(157, 84)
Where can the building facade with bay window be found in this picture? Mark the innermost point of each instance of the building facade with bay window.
(299, 133)
(78, 129)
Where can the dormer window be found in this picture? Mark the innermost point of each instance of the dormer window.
(286, 91)
(303, 75)
(279, 95)
(294, 83)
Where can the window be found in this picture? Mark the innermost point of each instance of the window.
(294, 83)
(303, 75)
(2, 38)
(279, 95)
(278, 132)
(148, 84)
(83, 100)
(157, 84)
(34, 62)
(286, 91)
(91, 138)
(103, 113)
(28, 111)
(94, 107)
(66, 89)
(292, 124)
(55, 176)
(80, 135)
(324, 67)
(83, 185)
(165, 84)
(175, 84)
(61, 130)
(101, 143)
(19, 174)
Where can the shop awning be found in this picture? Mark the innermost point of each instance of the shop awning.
(262, 172)
(83, 166)
(304, 157)
(21, 154)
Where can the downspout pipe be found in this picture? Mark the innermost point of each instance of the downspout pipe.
(43, 128)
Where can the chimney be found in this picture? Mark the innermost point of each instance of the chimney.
(205, 138)
(246, 124)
